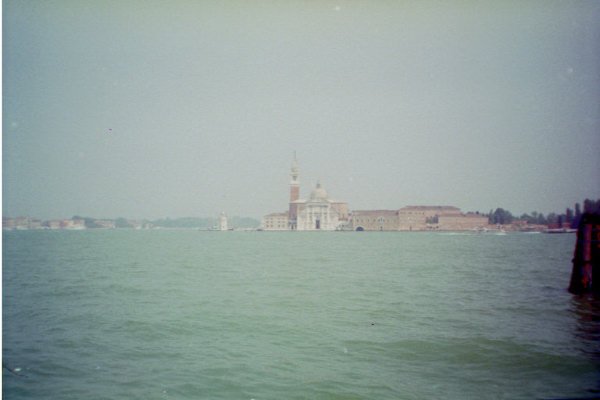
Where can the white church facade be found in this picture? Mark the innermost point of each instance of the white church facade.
(318, 212)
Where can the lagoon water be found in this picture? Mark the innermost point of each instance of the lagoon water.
(168, 314)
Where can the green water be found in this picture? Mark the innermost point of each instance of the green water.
(327, 315)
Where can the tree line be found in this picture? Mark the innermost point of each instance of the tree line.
(570, 216)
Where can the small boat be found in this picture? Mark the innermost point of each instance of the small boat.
(560, 230)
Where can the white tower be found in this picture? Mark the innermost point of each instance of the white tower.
(223, 222)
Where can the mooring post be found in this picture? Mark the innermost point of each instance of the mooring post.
(586, 260)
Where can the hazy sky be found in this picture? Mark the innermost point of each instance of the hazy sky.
(188, 108)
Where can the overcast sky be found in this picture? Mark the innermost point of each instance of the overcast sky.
(147, 109)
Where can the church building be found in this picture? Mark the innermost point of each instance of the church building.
(317, 213)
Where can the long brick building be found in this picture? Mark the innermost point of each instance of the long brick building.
(416, 218)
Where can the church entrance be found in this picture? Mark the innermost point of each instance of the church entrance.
(318, 224)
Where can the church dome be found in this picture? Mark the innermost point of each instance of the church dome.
(318, 193)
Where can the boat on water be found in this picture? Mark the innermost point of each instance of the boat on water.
(560, 230)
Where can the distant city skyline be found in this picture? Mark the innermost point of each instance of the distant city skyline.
(152, 110)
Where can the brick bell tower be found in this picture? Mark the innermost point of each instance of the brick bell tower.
(294, 195)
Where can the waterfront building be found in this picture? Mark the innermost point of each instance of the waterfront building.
(276, 222)
(73, 224)
(316, 213)
(223, 226)
(463, 222)
(105, 223)
(417, 218)
(420, 218)
(54, 224)
(21, 223)
(374, 220)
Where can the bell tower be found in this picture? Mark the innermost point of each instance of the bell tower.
(294, 195)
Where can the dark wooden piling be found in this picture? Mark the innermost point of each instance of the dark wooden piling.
(586, 260)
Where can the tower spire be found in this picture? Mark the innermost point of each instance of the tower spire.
(294, 194)
(294, 171)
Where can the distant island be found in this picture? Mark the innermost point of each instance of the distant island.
(319, 212)
(78, 223)
(410, 218)
(498, 219)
